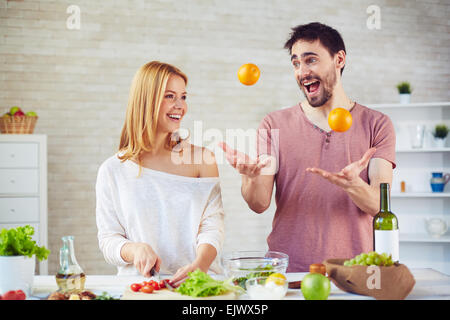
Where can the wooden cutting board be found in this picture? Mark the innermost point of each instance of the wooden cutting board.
(165, 294)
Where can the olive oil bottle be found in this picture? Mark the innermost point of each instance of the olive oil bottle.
(70, 277)
(385, 226)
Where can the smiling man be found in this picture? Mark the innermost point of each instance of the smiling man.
(327, 183)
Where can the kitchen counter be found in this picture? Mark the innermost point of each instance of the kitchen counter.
(430, 284)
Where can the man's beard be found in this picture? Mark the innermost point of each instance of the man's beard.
(327, 88)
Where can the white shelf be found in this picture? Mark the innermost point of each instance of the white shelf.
(420, 195)
(410, 105)
(412, 237)
(22, 148)
(422, 150)
(415, 166)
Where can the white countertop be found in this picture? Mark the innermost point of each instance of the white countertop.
(430, 284)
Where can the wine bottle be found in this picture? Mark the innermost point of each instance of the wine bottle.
(385, 226)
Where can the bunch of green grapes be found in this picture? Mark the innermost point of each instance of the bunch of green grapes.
(369, 259)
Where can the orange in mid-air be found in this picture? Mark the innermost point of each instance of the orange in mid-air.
(248, 74)
(340, 119)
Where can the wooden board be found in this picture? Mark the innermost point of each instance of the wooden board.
(165, 294)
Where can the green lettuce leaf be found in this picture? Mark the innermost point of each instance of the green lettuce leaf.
(18, 242)
(200, 284)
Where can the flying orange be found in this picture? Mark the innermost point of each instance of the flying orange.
(340, 119)
(248, 74)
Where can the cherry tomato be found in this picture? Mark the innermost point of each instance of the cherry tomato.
(162, 284)
(155, 285)
(147, 289)
(10, 295)
(135, 287)
(20, 295)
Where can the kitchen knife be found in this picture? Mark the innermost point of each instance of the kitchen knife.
(168, 286)
(154, 273)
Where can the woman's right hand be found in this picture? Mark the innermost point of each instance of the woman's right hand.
(142, 256)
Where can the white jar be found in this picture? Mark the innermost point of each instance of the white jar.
(17, 272)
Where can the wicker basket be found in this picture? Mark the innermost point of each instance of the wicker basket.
(18, 125)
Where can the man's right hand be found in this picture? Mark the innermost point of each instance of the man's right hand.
(257, 185)
(243, 163)
(142, 256)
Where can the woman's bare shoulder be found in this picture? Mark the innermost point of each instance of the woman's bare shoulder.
(205, 160)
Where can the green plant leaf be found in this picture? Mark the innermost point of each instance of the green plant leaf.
(404, 87)
(440, 131)
(18, 242)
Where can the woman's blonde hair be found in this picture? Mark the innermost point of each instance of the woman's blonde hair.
(146, 95)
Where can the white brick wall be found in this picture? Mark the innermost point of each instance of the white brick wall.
(78, 81)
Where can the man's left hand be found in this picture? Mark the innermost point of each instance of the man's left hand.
(349, 176)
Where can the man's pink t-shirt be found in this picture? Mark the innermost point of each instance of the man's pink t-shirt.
(315, 219)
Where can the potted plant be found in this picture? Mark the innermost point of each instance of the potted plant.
(18, 253)
(440, 135)
(404, 90)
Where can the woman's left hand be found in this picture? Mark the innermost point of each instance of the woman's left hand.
(182, 273)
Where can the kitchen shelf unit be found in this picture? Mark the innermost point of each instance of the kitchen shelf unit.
(412, 237)
(23, 186)
(414, 166)
(423, 150)
(421, 195)
(410, 105)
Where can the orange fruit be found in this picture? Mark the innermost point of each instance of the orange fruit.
(317, 268)
(340, 119)
(248, 74)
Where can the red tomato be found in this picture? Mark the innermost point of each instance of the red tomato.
(147, 289)
(10, 295)
(162, 284)
(135, 287)
(20, 295)
(155, 285)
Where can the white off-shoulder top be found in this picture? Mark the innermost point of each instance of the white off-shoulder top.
(173, 214)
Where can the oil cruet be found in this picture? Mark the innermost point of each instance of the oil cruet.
(70, 276)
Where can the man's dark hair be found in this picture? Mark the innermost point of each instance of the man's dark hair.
(328, 37)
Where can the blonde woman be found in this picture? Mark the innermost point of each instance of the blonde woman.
(152, 211)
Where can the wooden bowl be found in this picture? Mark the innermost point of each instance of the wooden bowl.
(383, 283)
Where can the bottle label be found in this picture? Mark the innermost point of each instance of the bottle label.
(387, 241)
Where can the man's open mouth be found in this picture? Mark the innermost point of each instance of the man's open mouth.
(311, 86)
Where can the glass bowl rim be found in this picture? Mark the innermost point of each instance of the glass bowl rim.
(259, 254)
